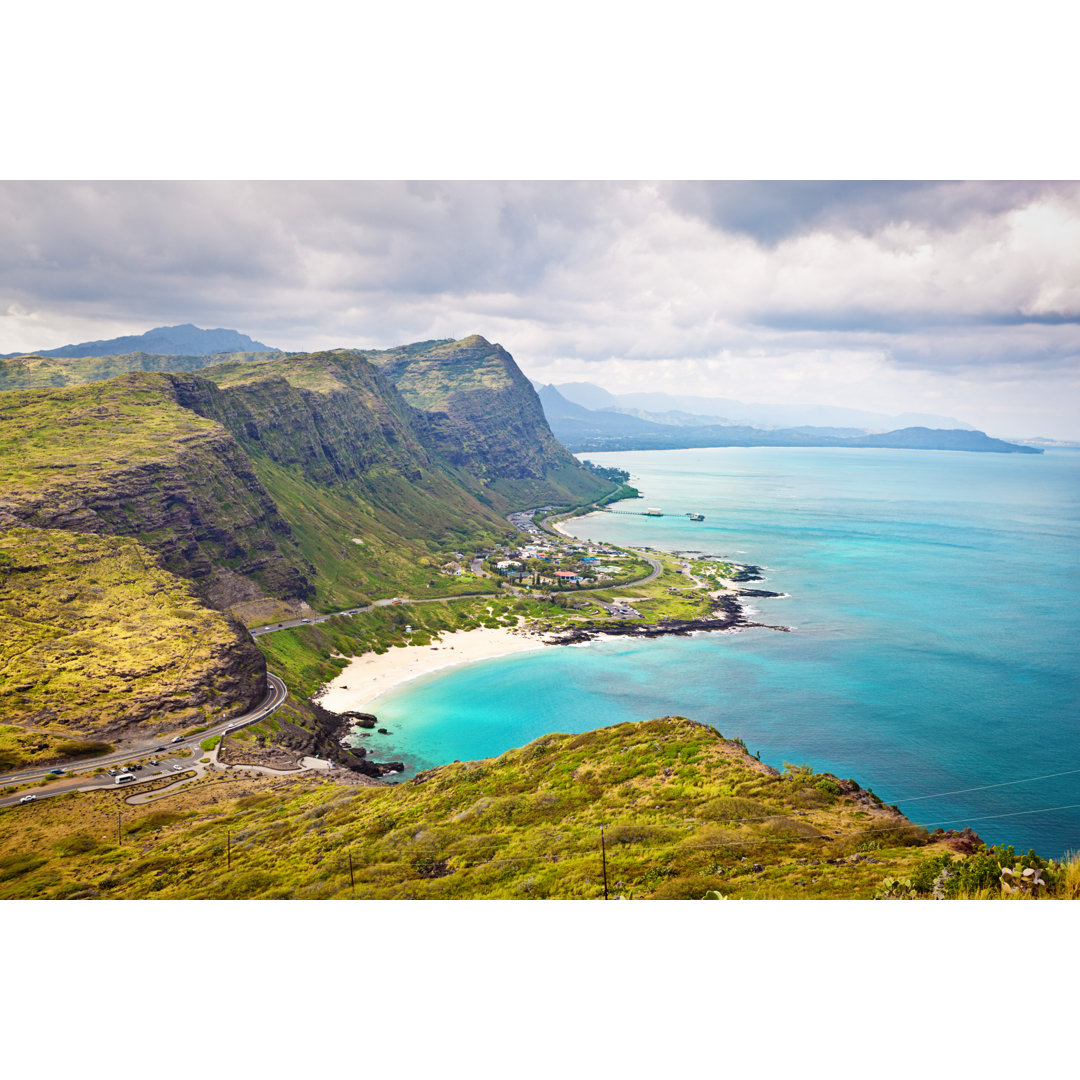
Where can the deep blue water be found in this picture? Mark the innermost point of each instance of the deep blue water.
(936, 601)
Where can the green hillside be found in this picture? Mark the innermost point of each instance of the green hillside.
(684, 813)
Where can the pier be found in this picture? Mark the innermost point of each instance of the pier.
(651, 512)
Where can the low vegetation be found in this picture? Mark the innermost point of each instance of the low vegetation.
(97, 636)
(47, 437)
(684, 813)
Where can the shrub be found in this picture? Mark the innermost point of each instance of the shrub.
(75, 748)
(729, 808)
(12, 866)
(75, 845)
(637, 834)
(789, 829)
(692, 887)
(154, 820)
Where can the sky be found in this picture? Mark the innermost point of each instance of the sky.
(956, 298)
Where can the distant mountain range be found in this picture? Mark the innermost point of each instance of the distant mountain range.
(183, 340)
(581, 429)
(691, 410)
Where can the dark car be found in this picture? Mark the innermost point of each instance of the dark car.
(154, 761)
(57, 772)
(134, 766)
(158, 749)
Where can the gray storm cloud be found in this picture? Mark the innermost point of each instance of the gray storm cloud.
(965, 280)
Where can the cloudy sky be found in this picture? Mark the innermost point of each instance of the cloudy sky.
(954, 298)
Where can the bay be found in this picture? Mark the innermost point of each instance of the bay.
(934, 598)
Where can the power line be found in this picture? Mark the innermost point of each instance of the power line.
(987, 787)
(1017, 813)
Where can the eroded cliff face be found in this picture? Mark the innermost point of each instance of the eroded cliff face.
(482, 414)
(191, 496)
(332, 419)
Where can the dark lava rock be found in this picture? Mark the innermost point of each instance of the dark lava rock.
(383, 731)
(361, 719)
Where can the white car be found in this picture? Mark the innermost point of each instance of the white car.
(178, 768)
(28, 798)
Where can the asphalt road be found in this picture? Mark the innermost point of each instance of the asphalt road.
(276, 694)
(272, 627)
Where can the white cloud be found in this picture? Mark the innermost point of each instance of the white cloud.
(905, 293)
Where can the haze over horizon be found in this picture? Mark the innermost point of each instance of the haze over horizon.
(955, 298)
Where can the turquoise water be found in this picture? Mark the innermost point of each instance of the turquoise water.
(935, 598)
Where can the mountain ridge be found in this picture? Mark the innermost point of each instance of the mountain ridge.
(182, 339)
(758, 415)
(584, 430)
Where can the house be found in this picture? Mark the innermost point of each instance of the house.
(567, 576)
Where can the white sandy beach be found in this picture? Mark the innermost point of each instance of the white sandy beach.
(369, 676)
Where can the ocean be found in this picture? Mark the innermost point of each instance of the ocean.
(935, 601)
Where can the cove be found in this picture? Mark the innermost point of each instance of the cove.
(935, 597)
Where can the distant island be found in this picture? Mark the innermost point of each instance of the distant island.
(581, 429)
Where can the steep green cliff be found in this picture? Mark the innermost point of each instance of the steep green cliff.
(483, 414)
(124, 458)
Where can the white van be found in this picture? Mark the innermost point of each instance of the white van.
(126, 778)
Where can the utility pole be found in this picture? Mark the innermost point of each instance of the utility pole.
(352, 880)
(117, 828)
(603, 856)
(228, 850)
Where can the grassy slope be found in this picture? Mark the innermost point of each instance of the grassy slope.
(684, 811)
(46, 437)
(95, 634)
(429, 378)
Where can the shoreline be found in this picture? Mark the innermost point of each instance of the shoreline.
(368, 677)
(355, 690)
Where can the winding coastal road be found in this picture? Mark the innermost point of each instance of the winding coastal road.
(276, 694)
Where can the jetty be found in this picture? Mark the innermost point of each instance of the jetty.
(653, 511)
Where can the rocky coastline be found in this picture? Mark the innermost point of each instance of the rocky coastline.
(728, 614)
